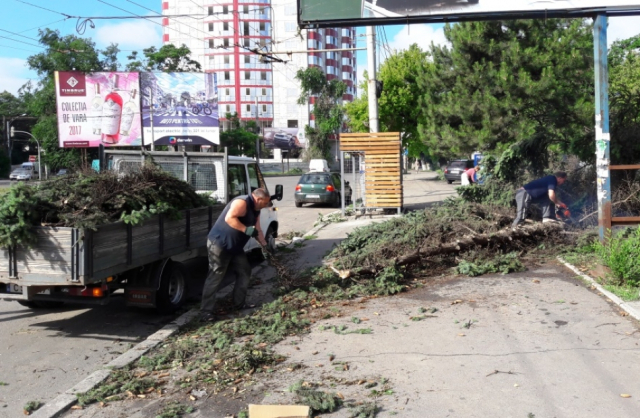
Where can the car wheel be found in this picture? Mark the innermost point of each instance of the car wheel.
(298, 204)
(449, 181)
(337, 202)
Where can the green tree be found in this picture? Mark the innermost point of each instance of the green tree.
(240, 140)
(398, 106)
(624, 94)
(168, 58)
(328, 113)
(523, 88)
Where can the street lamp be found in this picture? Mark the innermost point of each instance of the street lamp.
(13, 132)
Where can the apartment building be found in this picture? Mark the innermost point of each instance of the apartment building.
(224, 35)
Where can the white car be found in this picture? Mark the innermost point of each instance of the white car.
(20, 174)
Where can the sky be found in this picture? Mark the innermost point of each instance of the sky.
(136, 34)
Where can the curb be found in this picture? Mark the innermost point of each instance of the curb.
(67, 399)
(613, 298)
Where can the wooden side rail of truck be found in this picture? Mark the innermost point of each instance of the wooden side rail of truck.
(84, 265)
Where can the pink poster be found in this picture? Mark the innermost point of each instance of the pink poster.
(98, 108)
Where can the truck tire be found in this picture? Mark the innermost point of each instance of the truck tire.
(270, 236)
(298, 204)
(173, 291)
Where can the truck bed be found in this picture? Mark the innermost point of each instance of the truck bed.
(68, 256)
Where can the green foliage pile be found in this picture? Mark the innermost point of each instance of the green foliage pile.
(121, 382)
(174, 409)
(366, 410)
(380, 243)
(502, 263)
(88, 199)
(318, 400)
(622, 255)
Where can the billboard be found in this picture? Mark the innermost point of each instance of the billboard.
(181, 107)
(97, 108)
(287, 139)
(325, 13)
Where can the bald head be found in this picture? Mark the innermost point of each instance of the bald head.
(261, 197)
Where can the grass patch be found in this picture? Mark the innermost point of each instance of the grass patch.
(121, 383)
(502, 263)
(318, 400)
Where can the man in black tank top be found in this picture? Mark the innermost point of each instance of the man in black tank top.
(238, 222)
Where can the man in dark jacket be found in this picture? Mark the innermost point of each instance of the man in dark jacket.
(542, 192)
(238, 222)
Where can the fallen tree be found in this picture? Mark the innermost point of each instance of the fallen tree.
(504, 238)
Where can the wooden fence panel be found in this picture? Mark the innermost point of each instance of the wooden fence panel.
(383, 171)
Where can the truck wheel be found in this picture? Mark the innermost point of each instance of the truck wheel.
(449, 181)
(298, 204)
(338, 202)
(270, 236)
(173, 291)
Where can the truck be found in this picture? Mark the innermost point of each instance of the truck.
(146, 261)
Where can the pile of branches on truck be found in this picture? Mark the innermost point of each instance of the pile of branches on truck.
(87, 199)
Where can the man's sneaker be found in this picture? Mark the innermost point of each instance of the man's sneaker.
(207, 317)
(550, 220)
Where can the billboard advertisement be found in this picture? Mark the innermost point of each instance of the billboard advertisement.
(380, 12)
(180, 108)
(287, 139)
(98, 108)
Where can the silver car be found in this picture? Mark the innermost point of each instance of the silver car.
(20, 175)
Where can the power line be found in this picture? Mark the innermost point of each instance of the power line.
(19, 49)
(44, 8)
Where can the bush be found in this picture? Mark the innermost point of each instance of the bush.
(622, 255)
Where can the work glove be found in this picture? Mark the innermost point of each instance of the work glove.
(567, 214)
(563, 206)
(251, 231)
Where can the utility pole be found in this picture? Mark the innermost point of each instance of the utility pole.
(258, 133)
(371, 83)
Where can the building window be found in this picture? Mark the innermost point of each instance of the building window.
(247, 75)
(264, 108)
(211, 43)
(248, 107)
(263, 75)
(290, 10)
(292, 123)
(227, 75)
(247, 59)
(290, 26)
(228, 108)
(210, 27)
(225, 10)
(225, 42)
(245, 9)
(263, 26)
(245, 41)
(247, 92)
(226, 92)
(245, 27)
(264, 92)
(263, 42)
(210, 10)
(225, 25)
(226, 59)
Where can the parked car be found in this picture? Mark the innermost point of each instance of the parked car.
(453, 171)
(21, 174)
(62, 172)
(318, 187)
(318, 165)
(284, 140)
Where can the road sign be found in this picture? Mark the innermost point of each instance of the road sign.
(33, 158)
(335, 13)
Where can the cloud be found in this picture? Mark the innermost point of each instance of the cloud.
(422, 35)
(13, 74)
(130, 35)
(622, 28)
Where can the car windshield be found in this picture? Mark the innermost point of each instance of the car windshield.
(458, 164)
(315, 179)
